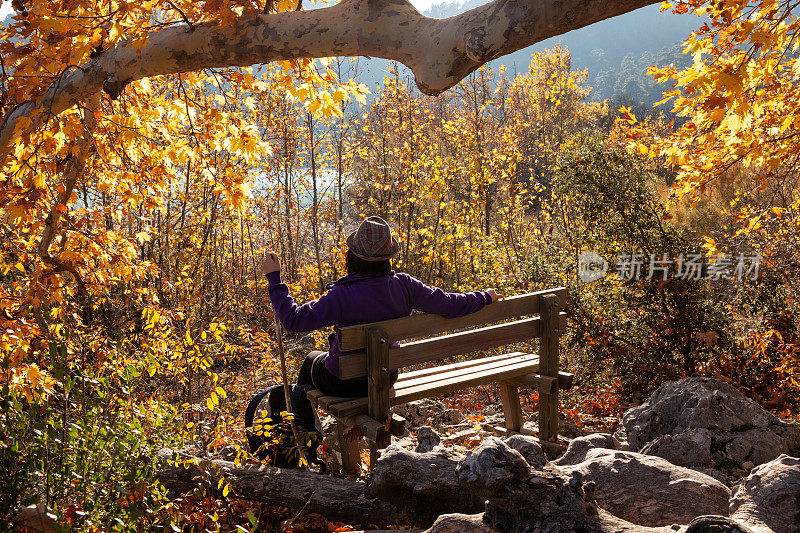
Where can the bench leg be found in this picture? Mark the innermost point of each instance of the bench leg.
(548, 366)
(379, 386)
(509, 393)
(384, 440)
(349, 449)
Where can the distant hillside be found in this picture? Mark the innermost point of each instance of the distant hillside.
(616, 51)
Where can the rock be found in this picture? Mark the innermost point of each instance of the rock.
(521, 499)
(717, 524)
(770, 496)
(694, 421)
(568, 428)
(578, 448)
(530, 449)
(545, 501)
(621, 439)
(328, 424)
(427, 439)
(424, 413)
(460, 523)
(690, 448)
(426, 484)
(454, 416)
(498, 420)
(719, 475)
(463, 436)
(648, 490)
(492, 466)
(405, 442)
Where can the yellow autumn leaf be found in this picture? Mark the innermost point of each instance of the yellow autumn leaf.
(33, 375)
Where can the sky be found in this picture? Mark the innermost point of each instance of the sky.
(421, 5)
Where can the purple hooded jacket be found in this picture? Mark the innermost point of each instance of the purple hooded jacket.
(356, 300)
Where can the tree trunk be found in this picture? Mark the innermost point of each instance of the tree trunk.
(315, 199)
(288, 259)
(334, 498)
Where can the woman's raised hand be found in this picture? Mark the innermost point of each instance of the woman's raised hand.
(270, 263)
(494, 295)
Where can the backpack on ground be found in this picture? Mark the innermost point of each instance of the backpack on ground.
(269, 433)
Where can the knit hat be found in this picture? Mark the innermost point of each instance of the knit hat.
(373, 240)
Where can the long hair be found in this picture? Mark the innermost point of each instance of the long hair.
(356, 265)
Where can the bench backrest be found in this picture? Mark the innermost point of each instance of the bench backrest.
(439, 347)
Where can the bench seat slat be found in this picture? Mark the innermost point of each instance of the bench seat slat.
(462, 382)
(326, 402)
(458, 372)
(344, 407)
(461, 379)
(398, 329)
(314, 395)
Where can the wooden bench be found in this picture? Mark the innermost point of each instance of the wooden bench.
(510, 370)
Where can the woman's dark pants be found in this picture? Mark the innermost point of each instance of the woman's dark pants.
(314, 375)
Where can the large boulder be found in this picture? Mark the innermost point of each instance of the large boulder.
(647, 490)
(702, 422)
(426, 484)
(520, 498)
(770, 496)
(530, 448)
(493, 467)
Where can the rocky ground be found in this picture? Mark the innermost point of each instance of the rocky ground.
(696, 456)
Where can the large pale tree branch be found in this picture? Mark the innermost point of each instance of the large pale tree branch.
(439, 52)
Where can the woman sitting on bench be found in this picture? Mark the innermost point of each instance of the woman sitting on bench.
(370, 292)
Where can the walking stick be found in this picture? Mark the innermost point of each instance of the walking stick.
(286, 393)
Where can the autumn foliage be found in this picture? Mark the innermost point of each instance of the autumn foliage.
(133, 314)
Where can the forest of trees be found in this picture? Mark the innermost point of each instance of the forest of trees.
(134, 314)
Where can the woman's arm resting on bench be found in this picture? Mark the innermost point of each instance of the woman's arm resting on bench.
(447, 304)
